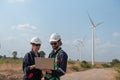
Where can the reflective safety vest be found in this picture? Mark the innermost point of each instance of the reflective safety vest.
(49, 76)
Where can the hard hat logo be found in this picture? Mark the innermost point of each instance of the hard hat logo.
(35, 40)
(55, 37)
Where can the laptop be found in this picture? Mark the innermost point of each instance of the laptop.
(44, 63)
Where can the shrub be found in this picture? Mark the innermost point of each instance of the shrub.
(76, 68)
(71, 62)
(118, 70)
(85, 64)
(106, 65)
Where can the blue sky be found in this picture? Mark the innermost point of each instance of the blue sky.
(20, 20)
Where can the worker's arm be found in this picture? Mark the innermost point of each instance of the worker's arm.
(26, 64)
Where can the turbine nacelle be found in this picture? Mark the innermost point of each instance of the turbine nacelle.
(92, 27)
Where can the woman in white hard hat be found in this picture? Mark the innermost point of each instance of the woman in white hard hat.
(30, 72)
(60, 58)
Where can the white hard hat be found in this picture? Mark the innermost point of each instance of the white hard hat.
(55, 37)
(35, 40)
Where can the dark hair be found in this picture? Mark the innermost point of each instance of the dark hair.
(60, 42)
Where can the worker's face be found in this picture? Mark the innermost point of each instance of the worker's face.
(55, 44)
(36, 47)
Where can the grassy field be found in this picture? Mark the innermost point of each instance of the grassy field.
(10, 64)
(11, 69)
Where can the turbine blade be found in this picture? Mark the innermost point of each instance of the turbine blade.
(91, 21)
(99, 24)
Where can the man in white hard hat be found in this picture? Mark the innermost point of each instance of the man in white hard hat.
(30, 72)
(60, 58)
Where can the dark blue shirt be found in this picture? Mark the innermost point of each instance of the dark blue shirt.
(62, 57)
(34, 74)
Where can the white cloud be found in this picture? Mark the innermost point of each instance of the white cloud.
(24, 27)
(116, 34)
(8, 38)
(11, 38)
(16, 1)
(107, 45)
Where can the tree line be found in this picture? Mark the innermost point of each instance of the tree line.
(15, 53)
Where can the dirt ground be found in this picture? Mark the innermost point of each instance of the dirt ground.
(11, 75)
(10, 71)
(93, 74)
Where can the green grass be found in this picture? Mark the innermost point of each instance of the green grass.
(11, 61)
(76, 68)
(118, 70)
(71, 62)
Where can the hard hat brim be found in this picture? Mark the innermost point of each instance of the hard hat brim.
(53, 40)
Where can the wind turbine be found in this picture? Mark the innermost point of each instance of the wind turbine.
(93, 27)
(79, 44)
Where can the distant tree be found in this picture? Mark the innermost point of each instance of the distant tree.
(42, 53)
(105, 65)
(0, 56)
(14, 53)
(114, 62)
(85, 62)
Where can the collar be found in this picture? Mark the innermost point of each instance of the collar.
(57, 50)
(33, 53)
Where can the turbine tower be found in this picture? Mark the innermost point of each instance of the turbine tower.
(93, 27)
